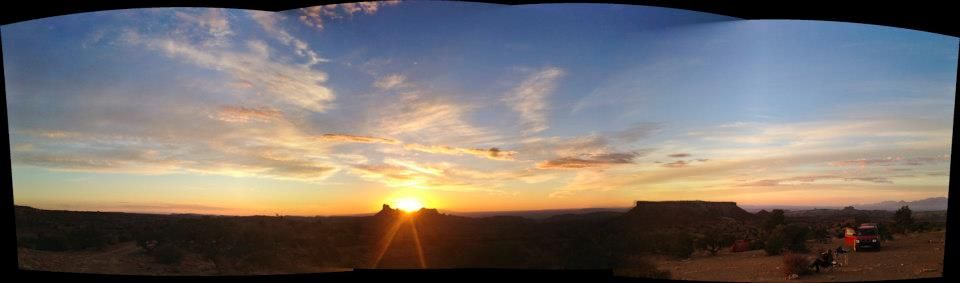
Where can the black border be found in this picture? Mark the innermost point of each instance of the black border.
(929, 16)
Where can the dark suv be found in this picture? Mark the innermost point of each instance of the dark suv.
(868, 236)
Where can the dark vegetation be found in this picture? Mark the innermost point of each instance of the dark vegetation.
(798, 264)
(597, 240)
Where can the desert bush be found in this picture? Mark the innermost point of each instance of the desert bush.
(55, 241)
(885, 233)
(791, 237)
(712, 239)
(90, 237)
(85, 237)
(773, 245)
(821, 234)
(795, 237)
(676, 244)
(776, 218)
(903, 220)
(167, 254)
(794, 263)
(922, 226)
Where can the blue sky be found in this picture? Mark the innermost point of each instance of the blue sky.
(466, 106)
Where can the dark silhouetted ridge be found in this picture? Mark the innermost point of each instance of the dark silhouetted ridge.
(684, 213)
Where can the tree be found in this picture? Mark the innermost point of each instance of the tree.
(713, 239)
(903, 219)
(774, 243)
(791, 237)
(776, 218)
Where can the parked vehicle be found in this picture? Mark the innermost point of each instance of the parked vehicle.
(868, 236)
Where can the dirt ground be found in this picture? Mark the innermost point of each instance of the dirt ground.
(907, 256)
(123, 258)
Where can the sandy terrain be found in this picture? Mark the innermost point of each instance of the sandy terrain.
(910, 256)
(124, 258)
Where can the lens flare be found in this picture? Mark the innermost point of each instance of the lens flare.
(408, 204)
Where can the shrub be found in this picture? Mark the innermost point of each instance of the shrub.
(776, 218)
(774, 244)
(797, 264)
(791, 237)
(821, 234)
(885, 233)
(167, 254)
(679, 244)
(90, 237)
(903, 219)
(795, 238)
(713, 239)
(49, 242)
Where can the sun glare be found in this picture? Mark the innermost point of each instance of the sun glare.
(408, 204)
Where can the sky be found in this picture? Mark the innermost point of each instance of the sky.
(469, 107)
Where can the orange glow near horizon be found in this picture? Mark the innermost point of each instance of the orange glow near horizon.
(408, 204)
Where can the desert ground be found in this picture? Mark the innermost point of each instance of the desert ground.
(908, 256)
(917, 255)
(126, 258)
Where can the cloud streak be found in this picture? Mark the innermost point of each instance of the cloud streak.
(589, 161)
(317, 16)
(490, 153)
(291, 84)
(240, 114)
(811, 179)
(391, 82)
(530, 98)
(410, 174)
(269, 22)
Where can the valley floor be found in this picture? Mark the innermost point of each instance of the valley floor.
(907, 256)
(125, 258)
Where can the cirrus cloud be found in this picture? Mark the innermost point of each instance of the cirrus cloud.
(530, 98)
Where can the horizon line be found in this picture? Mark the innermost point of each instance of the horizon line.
(360, 214)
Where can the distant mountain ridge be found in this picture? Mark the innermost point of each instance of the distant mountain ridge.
(929, 204)
(685, 213)
(538, 214)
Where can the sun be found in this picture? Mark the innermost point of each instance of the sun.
(408, 204)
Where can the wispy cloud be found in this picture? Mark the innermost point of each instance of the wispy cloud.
(551, 147)
(636, 132)
(530, 98)
(317, 16)
(682, 163)
(890, 161)
(292, 84)
(240, 114)
(269, 21)
(390, 82)
(586, 181)
(589, 161)
(811, 179)
(410, 174)
(490, 153)
(214, 22)
(354, 138)
(416, 116)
